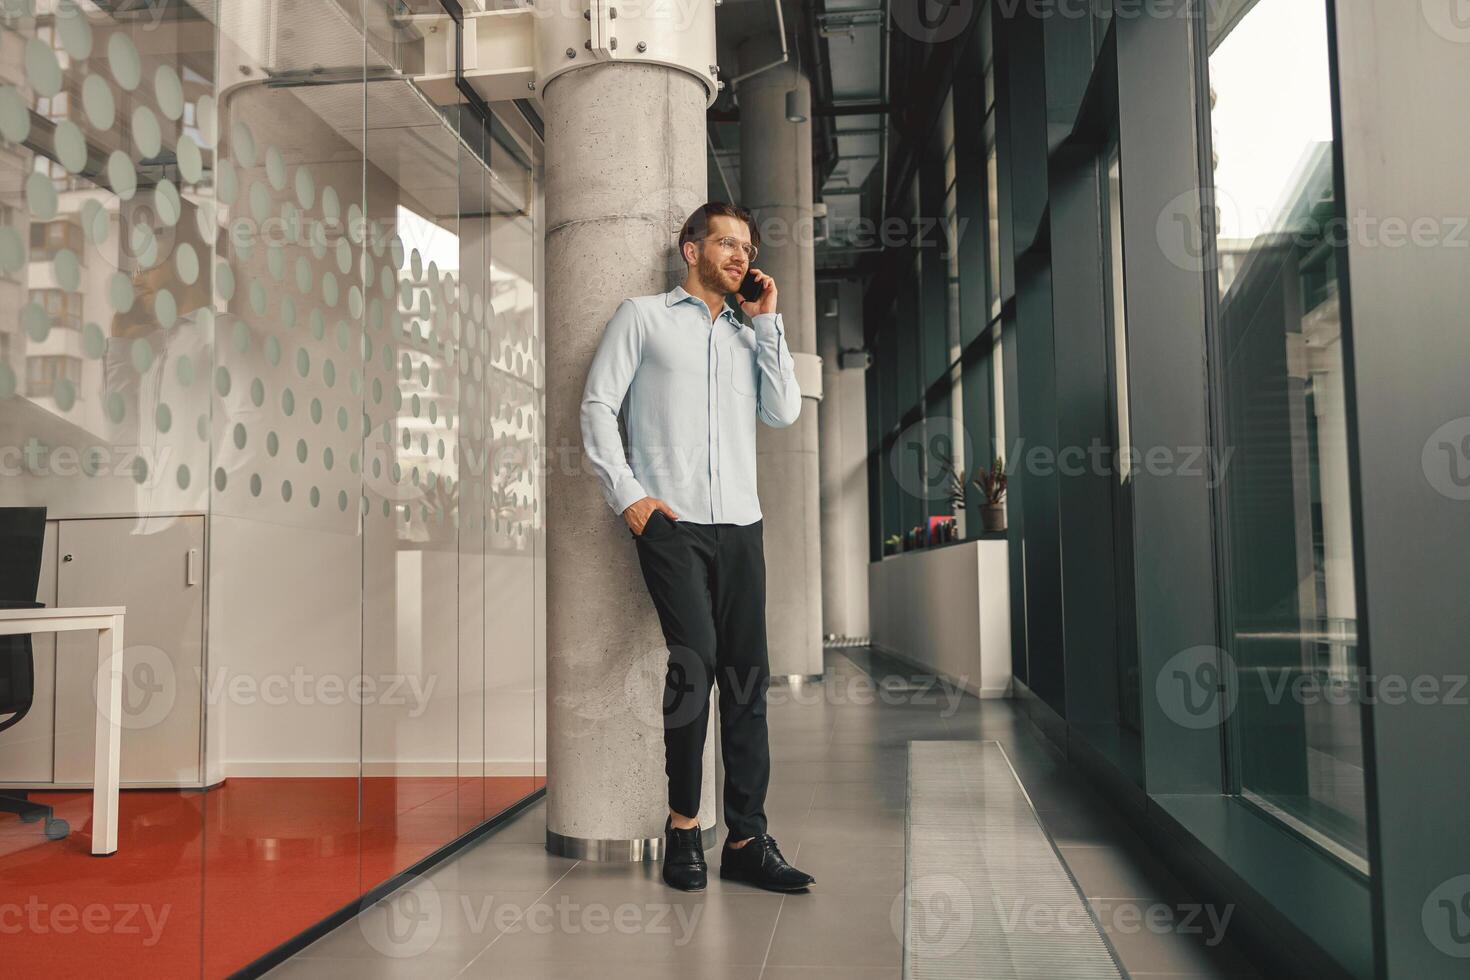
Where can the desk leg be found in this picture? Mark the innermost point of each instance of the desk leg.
(107, 773)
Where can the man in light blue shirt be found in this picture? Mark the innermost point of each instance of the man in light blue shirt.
(694, 382)
(691, 381)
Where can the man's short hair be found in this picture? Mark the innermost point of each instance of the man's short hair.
(696, 226)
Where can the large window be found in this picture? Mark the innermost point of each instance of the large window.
(62, 308)
(937, 389)
(1185, 592)
(50, 237)
(45, 372)
(953, 334)
(992, 220)
(1290, 616)
(1121, 486)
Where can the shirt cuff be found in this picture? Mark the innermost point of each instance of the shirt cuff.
(628, 491)
(769, 329)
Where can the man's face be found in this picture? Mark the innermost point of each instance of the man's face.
(718, 268)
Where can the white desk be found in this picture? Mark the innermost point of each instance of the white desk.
(108, 622)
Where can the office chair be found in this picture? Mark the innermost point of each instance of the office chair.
(22, 531)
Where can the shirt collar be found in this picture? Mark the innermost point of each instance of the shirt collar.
(679, 294)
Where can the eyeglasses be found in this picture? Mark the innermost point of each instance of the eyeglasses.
(733, 244)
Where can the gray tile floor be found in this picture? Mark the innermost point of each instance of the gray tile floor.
(506, 908)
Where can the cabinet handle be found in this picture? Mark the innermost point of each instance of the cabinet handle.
(191, 568)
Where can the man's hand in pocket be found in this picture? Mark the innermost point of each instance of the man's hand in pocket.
(639, 511)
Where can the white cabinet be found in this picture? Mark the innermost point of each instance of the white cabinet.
(154, 567)
(948, 609)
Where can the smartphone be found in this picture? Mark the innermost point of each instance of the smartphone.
(750, 290)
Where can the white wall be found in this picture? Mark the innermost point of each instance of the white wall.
(947, 608)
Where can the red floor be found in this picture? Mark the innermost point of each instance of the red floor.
(205, 882)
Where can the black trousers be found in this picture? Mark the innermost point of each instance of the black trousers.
(708, 583)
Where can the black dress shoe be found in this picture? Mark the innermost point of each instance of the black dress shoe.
(760, 863)
(684, 864)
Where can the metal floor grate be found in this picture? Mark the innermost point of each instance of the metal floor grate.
(987, 896)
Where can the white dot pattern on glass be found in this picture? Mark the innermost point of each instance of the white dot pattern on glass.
(43, 72)
(75, 32)
(147, 135)
(168, 91)
(122, 57)
(440, 361)
(98, 103)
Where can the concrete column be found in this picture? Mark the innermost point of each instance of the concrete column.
(625, 164)
(776, 184)
(842, 435)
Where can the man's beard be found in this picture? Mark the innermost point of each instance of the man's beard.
(711, 275)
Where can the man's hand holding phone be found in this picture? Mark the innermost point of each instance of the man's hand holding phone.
(639, 511)
(757, 293)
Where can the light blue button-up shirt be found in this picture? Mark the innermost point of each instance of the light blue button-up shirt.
(694, 389)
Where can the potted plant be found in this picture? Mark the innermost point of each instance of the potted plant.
(992, 486)
(892, 544)
(954, 488)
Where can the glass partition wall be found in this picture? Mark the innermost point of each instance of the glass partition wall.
(270, 360)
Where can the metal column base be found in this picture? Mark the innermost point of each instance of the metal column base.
(615, 851)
